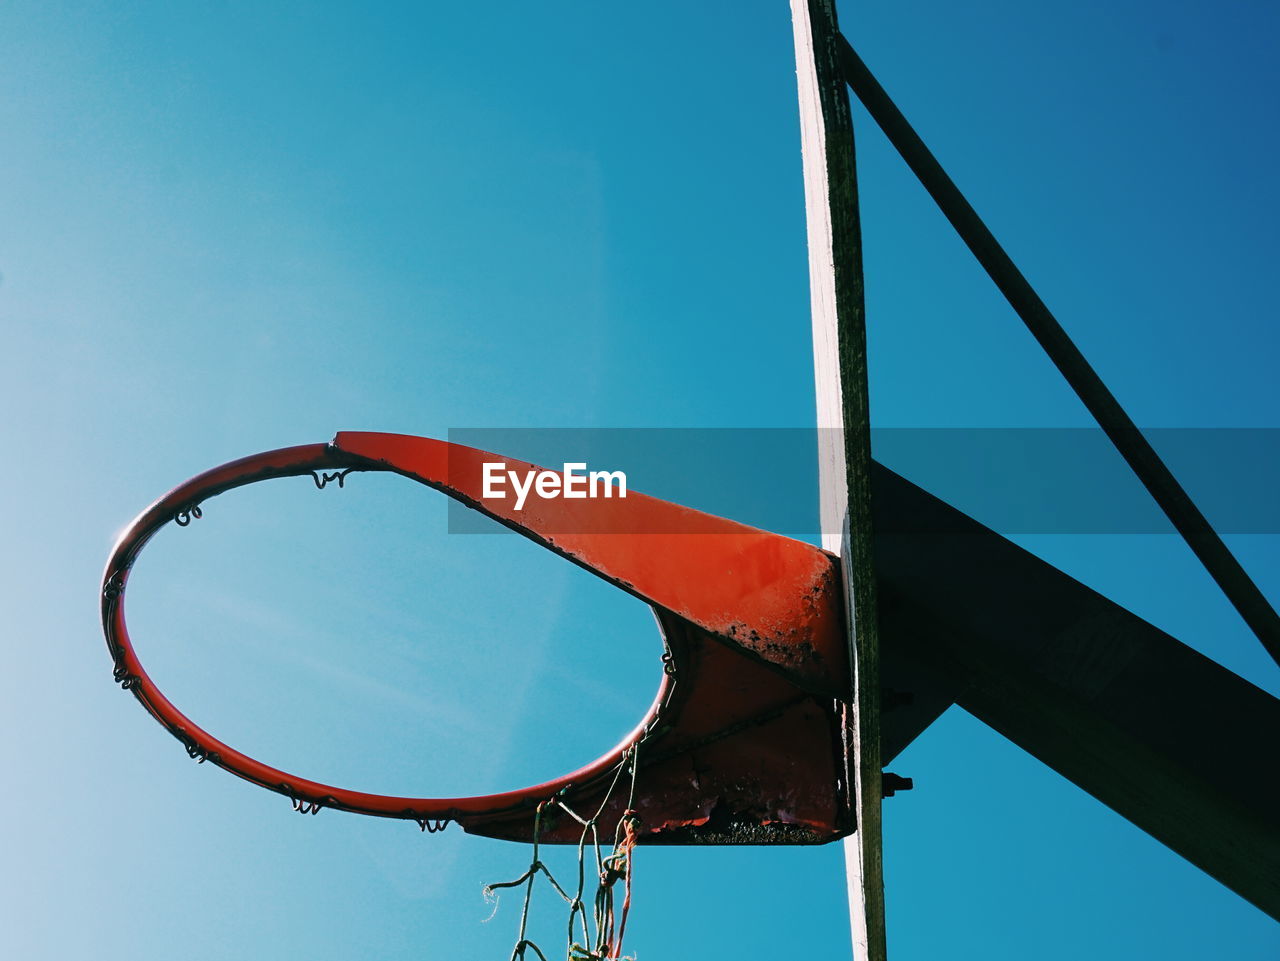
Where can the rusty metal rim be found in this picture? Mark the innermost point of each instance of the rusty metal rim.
(310, 796)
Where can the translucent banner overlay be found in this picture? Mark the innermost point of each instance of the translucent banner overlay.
(1013, 480)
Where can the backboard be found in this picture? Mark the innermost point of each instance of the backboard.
(844, 449)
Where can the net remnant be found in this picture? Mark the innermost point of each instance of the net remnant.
(600, 938)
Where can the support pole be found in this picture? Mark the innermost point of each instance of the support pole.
(1084, 380)
(1175, 743)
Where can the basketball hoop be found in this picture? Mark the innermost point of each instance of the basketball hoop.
(750, 702)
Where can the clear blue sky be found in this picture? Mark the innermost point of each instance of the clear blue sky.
(231, 227)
